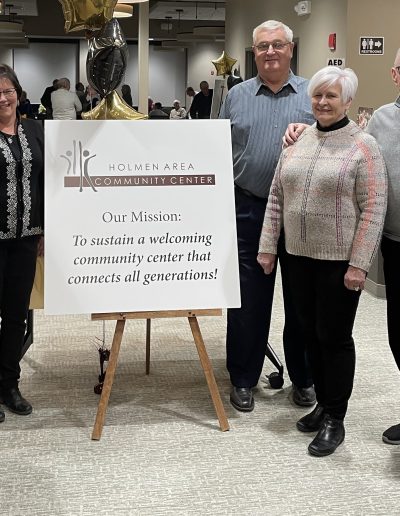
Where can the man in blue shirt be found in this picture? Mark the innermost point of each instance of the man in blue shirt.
(260, 110)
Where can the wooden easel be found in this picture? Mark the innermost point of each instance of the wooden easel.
(112, 363)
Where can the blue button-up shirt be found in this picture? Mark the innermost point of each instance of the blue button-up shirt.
(259, 119)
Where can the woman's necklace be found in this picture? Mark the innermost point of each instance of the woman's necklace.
(10, 137)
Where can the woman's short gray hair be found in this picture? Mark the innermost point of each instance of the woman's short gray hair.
(273, 25)
(330, 75)
(63, 83)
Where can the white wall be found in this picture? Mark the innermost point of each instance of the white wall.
(6, 56)
(83, 51)
(41, 63)
(38, 65)
(167, 71)
(199, 66)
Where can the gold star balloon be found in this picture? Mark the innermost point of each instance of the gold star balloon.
(87, 14)
(112, 107)
(224, 64)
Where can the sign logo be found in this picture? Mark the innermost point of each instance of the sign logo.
(79, 159)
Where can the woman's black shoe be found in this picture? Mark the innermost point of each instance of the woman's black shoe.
(14, 401)
(312, 422)
(328, 438)
(392, 435)
(2, 416)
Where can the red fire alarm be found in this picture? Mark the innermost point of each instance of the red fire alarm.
(332, 41)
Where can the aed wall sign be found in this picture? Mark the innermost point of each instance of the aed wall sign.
(338, 61)
(371, 45)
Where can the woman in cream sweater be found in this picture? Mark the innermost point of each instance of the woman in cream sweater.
(329, 194)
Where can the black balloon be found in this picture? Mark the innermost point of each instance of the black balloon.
(107, 58)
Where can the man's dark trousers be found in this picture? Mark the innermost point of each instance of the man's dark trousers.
(391, 268)
(248, 326)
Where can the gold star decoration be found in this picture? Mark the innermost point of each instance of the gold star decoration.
(87, 14)
(224, 64)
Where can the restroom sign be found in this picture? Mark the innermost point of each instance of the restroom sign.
(371, 45)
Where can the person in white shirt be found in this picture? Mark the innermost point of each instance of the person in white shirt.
(65, 103)
(178, 112)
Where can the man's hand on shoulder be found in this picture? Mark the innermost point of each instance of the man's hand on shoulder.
(292, 133)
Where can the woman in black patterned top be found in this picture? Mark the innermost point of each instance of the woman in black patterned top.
(21, 230)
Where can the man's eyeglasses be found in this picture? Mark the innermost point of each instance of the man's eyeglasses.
(276, 45)
(8, 93)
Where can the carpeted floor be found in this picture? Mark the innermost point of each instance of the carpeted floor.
(162, 452)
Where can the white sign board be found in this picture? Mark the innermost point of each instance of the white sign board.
(371, 45)
(139, 216)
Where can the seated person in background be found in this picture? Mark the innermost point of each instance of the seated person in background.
(65, 103)
(157, 111)
(126, 94)
(24, 107)
(178, 112)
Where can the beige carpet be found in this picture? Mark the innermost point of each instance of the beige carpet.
(162, 453)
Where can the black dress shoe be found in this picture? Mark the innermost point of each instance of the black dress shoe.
(14, 401)
(392, 435)
(328, 438)
(242, 399)
(312, 422)
(303, 396)
(2, 416)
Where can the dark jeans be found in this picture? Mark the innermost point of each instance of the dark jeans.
(17, 272)
(391, 268)
(248, 326)
(326, 311)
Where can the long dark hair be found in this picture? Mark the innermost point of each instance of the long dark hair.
(8, 73)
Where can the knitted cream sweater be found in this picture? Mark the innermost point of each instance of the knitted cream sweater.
(329, 192)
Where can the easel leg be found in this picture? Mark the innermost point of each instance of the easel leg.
(148, 334)
(208, 371)
(108, 382)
